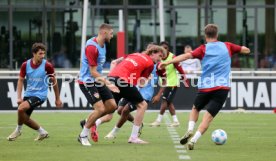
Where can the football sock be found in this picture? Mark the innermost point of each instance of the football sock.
(191, 125)
(41, 130)
(115, 130)
(84, 132)
(98, 122)
(19, 127)
(175, 118)
(196, 137)
(135, 130)
(159, 118)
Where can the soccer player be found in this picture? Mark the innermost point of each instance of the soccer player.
(93, 85)
(134, 70)
(168, 89)
(105, 118)
(37, 72)
(213, 84)
(125, 107)
(121, 104)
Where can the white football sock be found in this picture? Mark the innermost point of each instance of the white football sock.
(41, 130)
(191, 125)
(196, 137)
(98, 122)
(84, 132)
(175, 118)
(159, 118)
(115, 130)
(135, 130)
(19, 128)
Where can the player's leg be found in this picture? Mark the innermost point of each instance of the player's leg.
(93, 97)
(132, 94)
(203, 126)
(201, 100)
(109, 104)
(175, 122)
(42, 133)
(169, 98)
(112, 134)
(213, 107)
(163, 107)
(138, 119)
(159, 118)
(124, 116)
(25, 110)
(110, 107)
(21, 119)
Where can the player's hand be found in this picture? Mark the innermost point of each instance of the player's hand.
(58, 103)
(113, 64)
(19, 101)
(113, 88)
(155, 99)
(162, 65)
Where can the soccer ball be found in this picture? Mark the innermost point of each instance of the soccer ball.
(219, 137)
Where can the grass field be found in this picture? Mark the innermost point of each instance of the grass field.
(251, 137)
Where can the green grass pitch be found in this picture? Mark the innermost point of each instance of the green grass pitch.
(251, 137)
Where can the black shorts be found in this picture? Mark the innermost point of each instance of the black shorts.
(95, 92)
(132, 107)
(34, 102)
(169, 94)
(127, 91)
(213, 101)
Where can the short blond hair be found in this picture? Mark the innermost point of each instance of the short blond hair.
(154, 49)
(105, 26)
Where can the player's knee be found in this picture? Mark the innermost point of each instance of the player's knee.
(142, 105)
(196, 108)
(113, 106)
(119, 111)
(125, 111)
(22, 108)
(100, 109)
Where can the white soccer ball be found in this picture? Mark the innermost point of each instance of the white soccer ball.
(219, 137)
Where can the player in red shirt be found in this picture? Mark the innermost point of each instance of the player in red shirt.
(134, 70)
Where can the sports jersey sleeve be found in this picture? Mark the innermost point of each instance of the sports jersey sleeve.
(199, 52)
(182, 73)
(178, 67)
(91, 53)
(146, 73)
(49, 69)
(23, 70)
(232, 48)
(160, 73)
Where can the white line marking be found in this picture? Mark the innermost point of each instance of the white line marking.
(181, 151)
(175, 137)
(184, 157)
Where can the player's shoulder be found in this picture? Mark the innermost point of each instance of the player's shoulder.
(48, 64)
(24, 63)
(229, 43)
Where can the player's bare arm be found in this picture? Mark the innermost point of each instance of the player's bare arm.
(19, 90)
(177, 59)
(245, 50)
(157, 97)
(99, 78)
(115, 62)
(56, 90)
